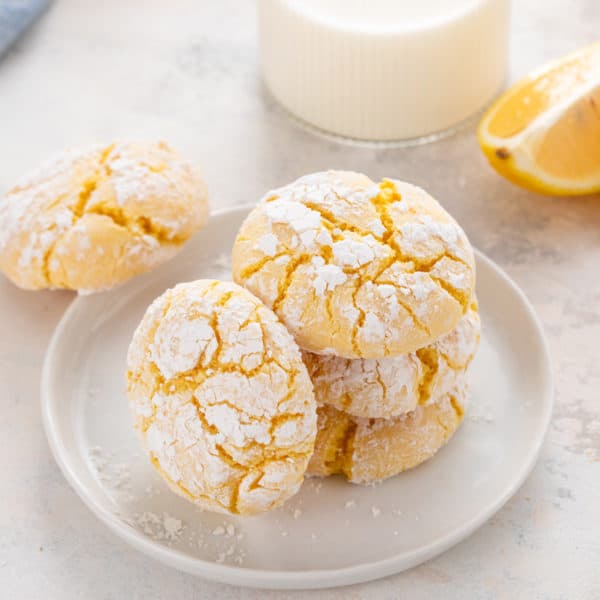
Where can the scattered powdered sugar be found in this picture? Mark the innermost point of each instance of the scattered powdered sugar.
(481, 412)
(160, 527)
(151, 491)
(229, 548)
(173, 527)
(116, 475)
(225, 529)
(314, 483)
(224, 555)
(375, 511)
(163, 527)
(481, 416)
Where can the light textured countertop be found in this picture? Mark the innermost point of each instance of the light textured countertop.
(187, 71)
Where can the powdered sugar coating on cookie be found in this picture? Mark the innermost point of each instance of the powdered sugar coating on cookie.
(221, 398)
(354, 268)
(388, 387)
(90, 219)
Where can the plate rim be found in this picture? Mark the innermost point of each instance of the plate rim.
(295, 579)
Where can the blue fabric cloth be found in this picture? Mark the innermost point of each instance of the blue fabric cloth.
(15, 17)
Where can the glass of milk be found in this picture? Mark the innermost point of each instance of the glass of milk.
(384, 70)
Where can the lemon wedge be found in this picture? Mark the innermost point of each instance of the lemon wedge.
(544, 132)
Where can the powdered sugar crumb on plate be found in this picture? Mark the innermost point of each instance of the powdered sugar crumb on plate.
(159, 527)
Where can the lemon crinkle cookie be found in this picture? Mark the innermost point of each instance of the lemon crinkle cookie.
(93, 218)
(221, 398)
(356, 269)
(369, 450)
(388, 387)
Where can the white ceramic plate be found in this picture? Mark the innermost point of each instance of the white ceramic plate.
(332, 533)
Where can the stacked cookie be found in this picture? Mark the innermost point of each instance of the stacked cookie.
(376, 284)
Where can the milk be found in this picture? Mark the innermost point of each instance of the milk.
(384, 69)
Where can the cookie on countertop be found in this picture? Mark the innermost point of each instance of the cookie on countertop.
(91, 219)
(356, 269)
(388, 387)
(221, 398)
